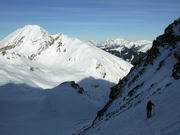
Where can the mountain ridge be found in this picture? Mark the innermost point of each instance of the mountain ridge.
(155, 77)
(45, 61)
(131, 51)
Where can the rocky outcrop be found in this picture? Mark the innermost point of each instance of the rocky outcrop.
(169, 38)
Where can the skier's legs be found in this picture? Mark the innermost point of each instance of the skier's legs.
(148, 113)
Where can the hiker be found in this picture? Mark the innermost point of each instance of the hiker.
(149, 108)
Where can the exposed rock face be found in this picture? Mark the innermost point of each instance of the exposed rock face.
(152, 75)
(169, 38)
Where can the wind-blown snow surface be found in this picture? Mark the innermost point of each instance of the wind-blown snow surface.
(31, 56)
(155, 78)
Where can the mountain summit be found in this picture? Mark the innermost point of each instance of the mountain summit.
(27, 41)
(32, 56)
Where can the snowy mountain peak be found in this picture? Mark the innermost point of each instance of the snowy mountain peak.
(44, 60)
(32, 28)
(27, 41)
(31, 31)
(29, 26)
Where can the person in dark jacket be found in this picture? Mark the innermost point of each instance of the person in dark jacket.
(149, 108)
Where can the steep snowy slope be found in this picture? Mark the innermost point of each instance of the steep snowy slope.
(130, 51)
(29, 111)
(156, 77)
(31, 56)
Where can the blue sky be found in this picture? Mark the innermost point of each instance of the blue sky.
(91, 19)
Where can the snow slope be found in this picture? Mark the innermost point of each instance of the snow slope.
(35, 97)
(32, 56)
(165, 120)
(29, 111)
(155, 78)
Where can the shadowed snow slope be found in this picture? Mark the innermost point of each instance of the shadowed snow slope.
(32, 56)
(156, 77)
(29, 111)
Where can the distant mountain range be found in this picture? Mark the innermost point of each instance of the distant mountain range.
(130, 51)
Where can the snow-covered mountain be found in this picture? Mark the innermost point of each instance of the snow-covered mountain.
(155, 77)
(130, 51)
(32, 56)
(52, 84)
